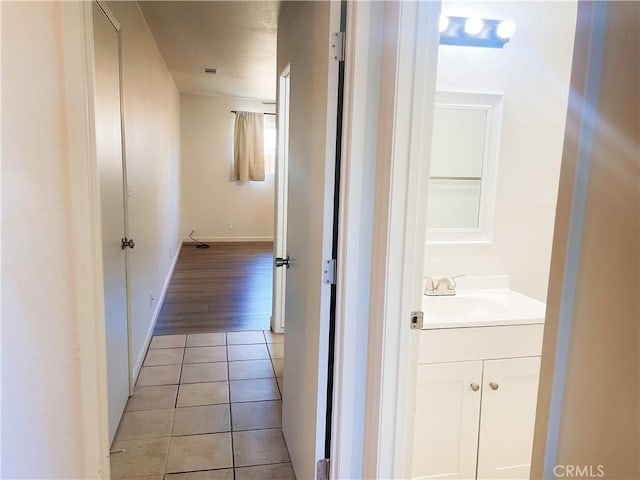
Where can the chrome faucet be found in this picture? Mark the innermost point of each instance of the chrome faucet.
(441, 286)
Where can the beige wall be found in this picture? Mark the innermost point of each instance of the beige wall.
(599, 415)
(53, 412)
(532, 71)
(42, 431)
(152, 136)
(210, 199)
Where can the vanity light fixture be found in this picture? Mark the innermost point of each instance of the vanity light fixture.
(473, 26)
(475, 32)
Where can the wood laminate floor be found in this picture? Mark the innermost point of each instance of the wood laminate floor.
(226, 287)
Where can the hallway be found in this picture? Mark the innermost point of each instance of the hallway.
(206, 407)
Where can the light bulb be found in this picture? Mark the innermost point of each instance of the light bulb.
(443, 24)
(473, 26)
(505, 29)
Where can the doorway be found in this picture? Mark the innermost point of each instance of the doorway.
(175, 359)
(416, 356)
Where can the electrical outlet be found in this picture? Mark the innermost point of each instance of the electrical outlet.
(230, 226)
(151, 299)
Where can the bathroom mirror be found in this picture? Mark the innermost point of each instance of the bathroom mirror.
(464, 161)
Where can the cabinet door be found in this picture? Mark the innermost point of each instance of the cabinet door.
(447, 418)
(509, 397)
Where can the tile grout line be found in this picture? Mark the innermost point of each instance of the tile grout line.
(175, 405)
(233, 452)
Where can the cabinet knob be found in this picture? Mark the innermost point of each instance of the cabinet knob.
(494, 386)
(475, 387)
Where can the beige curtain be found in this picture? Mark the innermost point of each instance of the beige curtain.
(248, 147)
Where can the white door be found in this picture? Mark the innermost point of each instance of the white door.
(509, 398)
(110, 167)
(310, 216)
(282, 192)
(446, 421)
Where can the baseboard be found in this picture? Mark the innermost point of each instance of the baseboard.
(230, 239)
(156, 312)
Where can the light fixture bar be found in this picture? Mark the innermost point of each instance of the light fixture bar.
(475, 32)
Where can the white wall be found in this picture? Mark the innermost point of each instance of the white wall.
(210, 199)
(53, 398)
(43, 406)
(152, 136)
(532, 71)
(598, 417)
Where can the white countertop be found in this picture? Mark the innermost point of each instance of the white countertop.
(480, 308)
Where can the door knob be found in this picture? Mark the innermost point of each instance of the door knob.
(494, 386)
(475, 387)
(282, 262)
(128, 242)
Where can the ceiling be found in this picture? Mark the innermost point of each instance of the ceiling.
(237, 37)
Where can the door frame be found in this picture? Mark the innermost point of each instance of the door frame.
(391, 55)
(400, 233)
(407, 100)
(86, 226)
(281, 201)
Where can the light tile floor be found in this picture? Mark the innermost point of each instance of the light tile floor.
(206, 406)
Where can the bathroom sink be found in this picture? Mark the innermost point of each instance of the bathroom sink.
(481, 307)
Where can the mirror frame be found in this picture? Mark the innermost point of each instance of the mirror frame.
(492, 103)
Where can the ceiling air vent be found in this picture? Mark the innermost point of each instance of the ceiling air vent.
(210, 70)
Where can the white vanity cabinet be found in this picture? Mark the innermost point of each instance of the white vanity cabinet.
(475, 416)
(507, 417)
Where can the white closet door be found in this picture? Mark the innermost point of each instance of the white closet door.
(446, 420)
(509, 398)
(110, 167)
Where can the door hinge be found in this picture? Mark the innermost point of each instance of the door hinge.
(337, 46)
(322, 469)
(329, 272)
(417, 320)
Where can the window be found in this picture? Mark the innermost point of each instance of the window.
(270, 144)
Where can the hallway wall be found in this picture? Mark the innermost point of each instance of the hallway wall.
(210, 199)
(43, 435)
(53, 378)
(152, 137)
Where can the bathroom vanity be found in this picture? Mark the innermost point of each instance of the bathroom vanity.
(477, 384)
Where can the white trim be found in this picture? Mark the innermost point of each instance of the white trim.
(222, 239)
(404, 140)
(357, 196)
(156, 313)
(277, 320)
(86, 231)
